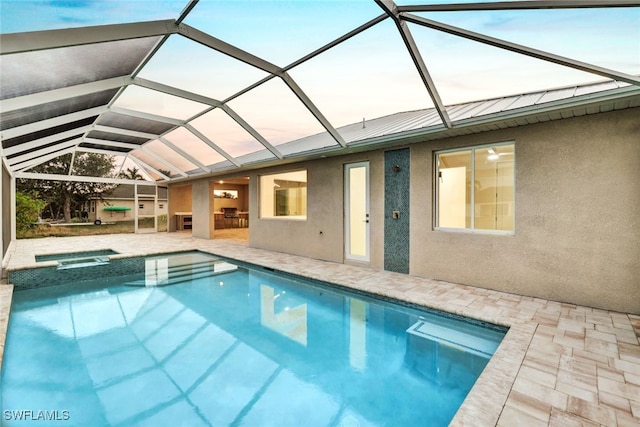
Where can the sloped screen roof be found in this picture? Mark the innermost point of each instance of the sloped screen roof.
(215, 87)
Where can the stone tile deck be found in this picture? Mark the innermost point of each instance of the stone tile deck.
(559, 365)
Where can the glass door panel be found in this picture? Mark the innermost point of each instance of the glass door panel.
(357, 211)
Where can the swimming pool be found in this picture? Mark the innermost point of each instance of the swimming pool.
(196, 340)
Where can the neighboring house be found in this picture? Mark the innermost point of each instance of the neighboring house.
(119, 204)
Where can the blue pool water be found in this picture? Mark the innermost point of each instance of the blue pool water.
(197, 341)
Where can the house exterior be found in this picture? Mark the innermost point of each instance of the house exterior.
(119, 204)
(569, 206)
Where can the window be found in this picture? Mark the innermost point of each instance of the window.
(141, 206)
(475, 188)
(284, 195)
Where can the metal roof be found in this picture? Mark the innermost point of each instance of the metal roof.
(96, 89)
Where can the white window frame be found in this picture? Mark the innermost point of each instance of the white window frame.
(283, 217)
(436, 190)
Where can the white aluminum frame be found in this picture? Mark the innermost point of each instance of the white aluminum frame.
(436, 190)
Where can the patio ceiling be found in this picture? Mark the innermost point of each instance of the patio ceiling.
(102, 89)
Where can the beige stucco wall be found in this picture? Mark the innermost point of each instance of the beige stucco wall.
(577, 236)
(320, 236)
(201, 209)
(180, 200)
(577, 233)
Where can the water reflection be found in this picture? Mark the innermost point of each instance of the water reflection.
(291, 322)
(357, 334)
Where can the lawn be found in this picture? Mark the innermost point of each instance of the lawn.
(88, 229)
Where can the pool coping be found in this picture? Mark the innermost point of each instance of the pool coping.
(558, 364)
(6, 295)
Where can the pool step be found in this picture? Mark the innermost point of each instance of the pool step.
(483, 346)
(182, 273)
(163, 276)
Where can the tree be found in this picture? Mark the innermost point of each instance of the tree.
(166, 172)
(67, 195)
(131, 173)
(28, 208)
